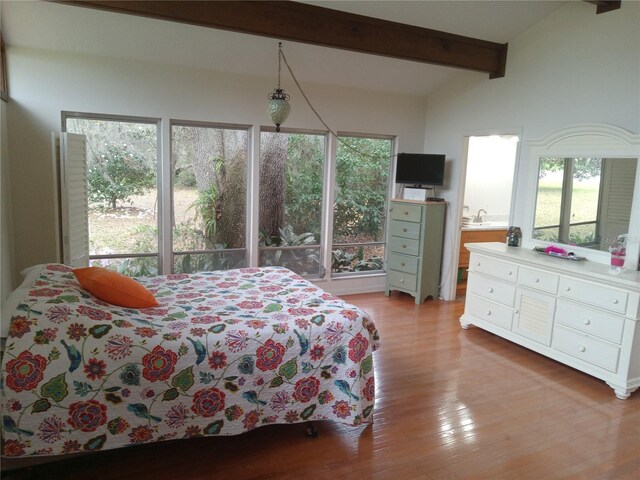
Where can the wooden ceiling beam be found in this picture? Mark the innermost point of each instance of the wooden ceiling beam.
(300, 22)
(604, 6)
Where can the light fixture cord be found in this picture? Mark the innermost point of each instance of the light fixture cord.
(280, 56)
(304, 95)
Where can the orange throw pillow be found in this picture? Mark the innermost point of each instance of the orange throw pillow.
(114, 288)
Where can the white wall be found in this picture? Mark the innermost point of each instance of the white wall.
(45, 83)
(574, 67)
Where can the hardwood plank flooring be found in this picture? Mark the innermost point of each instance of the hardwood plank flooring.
(451, 404)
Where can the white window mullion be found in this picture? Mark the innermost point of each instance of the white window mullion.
(253, 196)
(165, 203)
(327, 205)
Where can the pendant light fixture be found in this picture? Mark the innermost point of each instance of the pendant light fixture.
(278, 106)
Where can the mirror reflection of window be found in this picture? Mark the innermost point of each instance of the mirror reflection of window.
(585, 195)
(583, 201)
(618, 186)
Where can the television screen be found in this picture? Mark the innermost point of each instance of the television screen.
(420, 169)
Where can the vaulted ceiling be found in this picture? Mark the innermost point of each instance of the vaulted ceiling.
(80, 30)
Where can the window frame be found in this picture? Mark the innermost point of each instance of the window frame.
(389, 195)
(165, 188)
(169, 231)
(326, 174)
(159, 184)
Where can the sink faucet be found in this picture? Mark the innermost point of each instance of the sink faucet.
(478, 218)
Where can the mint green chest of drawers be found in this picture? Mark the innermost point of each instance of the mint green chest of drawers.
(415, 248)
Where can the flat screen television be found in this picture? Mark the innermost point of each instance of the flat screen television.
(420, 169)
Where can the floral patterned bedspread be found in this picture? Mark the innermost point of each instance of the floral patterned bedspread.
(224, 352)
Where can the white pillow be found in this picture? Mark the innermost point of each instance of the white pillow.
(12, 301)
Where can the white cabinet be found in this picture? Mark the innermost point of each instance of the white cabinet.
(572, 311)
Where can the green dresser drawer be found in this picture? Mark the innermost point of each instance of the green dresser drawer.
(406, 212)
(407, 246)
(402, 280)
(405, 229)
(403, 263)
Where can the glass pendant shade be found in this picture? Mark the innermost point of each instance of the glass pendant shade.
(278, 107)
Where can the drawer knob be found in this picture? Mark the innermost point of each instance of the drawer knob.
(406, 213)
(404, 246)
(402, 264)
(402, 280)
(568, 289)
(615, 301)
(510, 272)
(586, 321)
(490, 289)
(404, 230)
(488, 313)
(536, 280)
(581, 348)
(478, 264)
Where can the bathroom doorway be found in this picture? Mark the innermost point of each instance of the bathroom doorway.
(491, 162)
(488, 194)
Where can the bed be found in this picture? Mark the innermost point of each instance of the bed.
(223, 353)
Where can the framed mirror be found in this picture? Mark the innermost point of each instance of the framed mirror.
(586, 181)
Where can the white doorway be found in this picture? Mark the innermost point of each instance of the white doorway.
(491, 162)
(487, 197)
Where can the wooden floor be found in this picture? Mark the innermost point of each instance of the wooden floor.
(451, 404)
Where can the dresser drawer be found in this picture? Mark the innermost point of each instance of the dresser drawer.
(586, 348)
(491, 288)
(490, 266)
(539, 280)
(403, 263)
(590, 321)
(407, 246)
(604, 297)
(406, 212)
(400, 228)
(495, 313)
(402, 280)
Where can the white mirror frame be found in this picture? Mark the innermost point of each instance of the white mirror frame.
(593, 140)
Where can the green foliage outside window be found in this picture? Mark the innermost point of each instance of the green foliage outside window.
(116, 174)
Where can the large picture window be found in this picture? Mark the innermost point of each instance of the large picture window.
(361, 196)
(189, 211)
(290, 204)
(209, 166)
(122, 159)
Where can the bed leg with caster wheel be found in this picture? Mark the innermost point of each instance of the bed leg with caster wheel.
(311, 430)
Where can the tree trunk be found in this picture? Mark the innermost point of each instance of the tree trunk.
(272, 184)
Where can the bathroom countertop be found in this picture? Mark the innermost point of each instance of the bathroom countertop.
(484, 226)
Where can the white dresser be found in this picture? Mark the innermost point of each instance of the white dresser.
(572, 311)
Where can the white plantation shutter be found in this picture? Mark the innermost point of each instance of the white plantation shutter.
(74, 209)
(617, 197)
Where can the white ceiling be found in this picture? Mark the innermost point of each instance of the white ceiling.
(87, 31)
